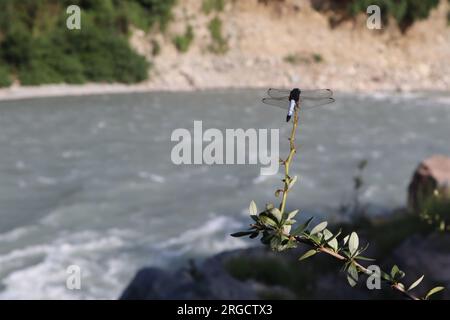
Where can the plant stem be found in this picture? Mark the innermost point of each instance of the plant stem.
(323, 249)
(363, 269)
(287, 162)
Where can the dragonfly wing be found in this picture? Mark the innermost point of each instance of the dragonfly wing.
(278, 93)
(316, 94)
(277, 102)
(306, 104)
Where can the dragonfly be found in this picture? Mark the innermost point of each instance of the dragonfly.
(304, 99)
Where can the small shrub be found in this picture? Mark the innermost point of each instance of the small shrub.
(435, 210)
(293, 59)
(209, 6)
(317, 58)
(5, 79)
(297, 58)
(36, 47)
(219, 44)
(156, 48)
(183, 42)
(405, 12)
(157, 12)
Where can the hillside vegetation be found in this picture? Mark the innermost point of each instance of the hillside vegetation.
(37, 48)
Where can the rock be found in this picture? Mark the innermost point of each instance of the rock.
(209, 281)
(318, 278)
(431, 174)
(426, 255)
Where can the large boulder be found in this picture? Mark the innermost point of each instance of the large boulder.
(432, 174)
(209, 280)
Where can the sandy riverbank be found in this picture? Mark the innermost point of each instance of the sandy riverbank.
(58, 90)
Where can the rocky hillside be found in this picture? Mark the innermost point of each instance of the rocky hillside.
(287, 43)
(199, 44)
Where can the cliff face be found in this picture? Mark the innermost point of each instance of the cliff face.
(288, 43)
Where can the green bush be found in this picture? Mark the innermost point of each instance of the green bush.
(405, 12)
(158, 11)
(209, 6)
(5, 79)
(156, 48)
(183, 42)
(36, 45)
(435, 210)
(219, 44)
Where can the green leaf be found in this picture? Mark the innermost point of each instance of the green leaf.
(364, 258)
(268, 221)
(292, 214)
(275, 242)
(333, 244)
(287, 228)
(241, 234)
(315, 238)
(292, 182)
(297, 231)
(254, 234)
(433, 291)
(307, 254)
(394, 271)
(352, 275)
(416, 283)
(353, 243)
(327, 234)
(319, 228)
(266, 237)
(386, 276)
(346, 239)
(276, 213)
(253, 209)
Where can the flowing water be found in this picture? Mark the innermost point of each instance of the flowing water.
(89, 181)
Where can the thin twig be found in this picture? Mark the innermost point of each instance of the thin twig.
(287, 162)
(322, 249)
(362, 268)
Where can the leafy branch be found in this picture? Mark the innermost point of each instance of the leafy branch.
(275, 226)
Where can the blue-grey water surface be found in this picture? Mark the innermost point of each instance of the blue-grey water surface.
(88, 180)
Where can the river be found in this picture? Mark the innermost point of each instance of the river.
(89, 180)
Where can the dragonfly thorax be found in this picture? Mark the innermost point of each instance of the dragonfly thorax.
(294, 94)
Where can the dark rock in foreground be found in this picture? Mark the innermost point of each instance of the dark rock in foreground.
(210, 281)
(317, 278)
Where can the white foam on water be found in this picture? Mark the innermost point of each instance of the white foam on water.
(46, 180)
(102, 268)
(211, 237)
(106, 259)
(15, 234)
(261, 178)
(151, 176)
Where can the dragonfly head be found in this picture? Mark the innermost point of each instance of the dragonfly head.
(294, 95)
